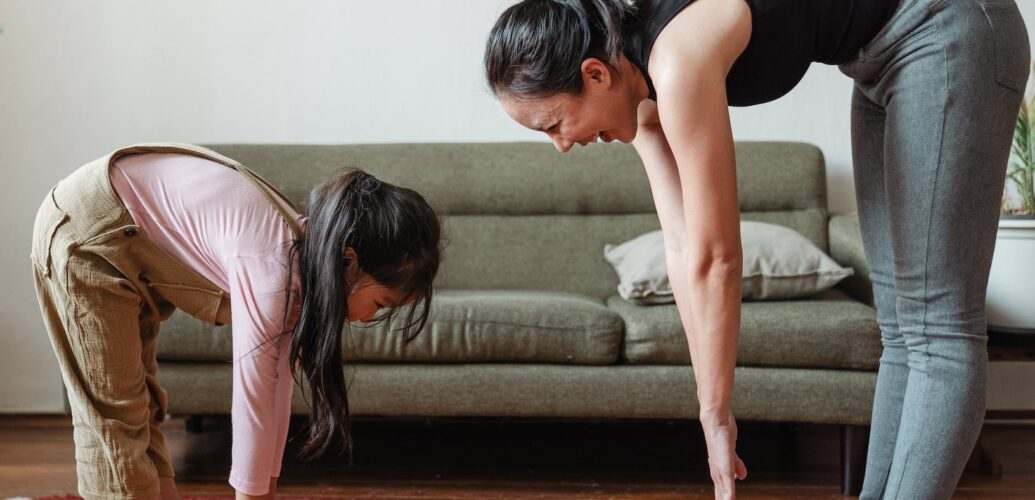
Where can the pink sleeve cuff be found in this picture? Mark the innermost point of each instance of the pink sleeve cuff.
(249, 487)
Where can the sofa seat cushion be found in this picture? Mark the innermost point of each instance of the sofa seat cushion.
(828, 330)
(464, 327)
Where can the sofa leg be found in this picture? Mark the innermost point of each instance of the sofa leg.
(194, 424)
(854, 440)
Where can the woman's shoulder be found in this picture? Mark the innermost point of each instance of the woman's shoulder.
(704, 32)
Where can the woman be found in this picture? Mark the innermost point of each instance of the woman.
(126, 239)
(937, 88)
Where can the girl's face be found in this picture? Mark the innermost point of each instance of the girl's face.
(366, 296)
(605, 110)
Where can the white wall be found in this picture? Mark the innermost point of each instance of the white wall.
(78, 79)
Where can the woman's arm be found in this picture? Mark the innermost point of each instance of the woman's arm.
(719, 426)
(690, 78)
(686, 144)
(690, 160)
(663, 175)
(703, 259)
(689, 62)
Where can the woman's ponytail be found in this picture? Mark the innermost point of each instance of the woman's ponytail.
(610, 17)
(537, 47)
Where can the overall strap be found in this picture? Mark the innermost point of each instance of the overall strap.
(280, 202)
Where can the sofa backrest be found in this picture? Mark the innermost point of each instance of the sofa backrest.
(523, 216)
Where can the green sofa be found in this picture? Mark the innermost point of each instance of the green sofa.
(527, 321)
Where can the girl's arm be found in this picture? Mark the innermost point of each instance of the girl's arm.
(261, 375)
(267, 496)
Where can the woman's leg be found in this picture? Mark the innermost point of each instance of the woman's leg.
(950, 89)
(94, 318)
(868, 157)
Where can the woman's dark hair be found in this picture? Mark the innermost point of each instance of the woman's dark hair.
(537, 47)
(396, 237)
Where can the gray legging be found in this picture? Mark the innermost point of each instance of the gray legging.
(936, 95)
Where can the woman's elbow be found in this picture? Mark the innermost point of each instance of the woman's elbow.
(720, 266)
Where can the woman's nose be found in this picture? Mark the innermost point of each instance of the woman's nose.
(562, 145)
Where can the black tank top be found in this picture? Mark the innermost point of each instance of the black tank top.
(786, 37)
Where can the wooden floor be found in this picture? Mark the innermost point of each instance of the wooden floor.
(511, 459)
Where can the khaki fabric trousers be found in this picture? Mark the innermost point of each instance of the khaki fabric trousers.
(103, 288)
(105, 344)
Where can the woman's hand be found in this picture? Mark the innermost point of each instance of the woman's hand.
(720, 434)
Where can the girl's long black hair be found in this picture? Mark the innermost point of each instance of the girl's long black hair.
(396, 237)
(537, 47)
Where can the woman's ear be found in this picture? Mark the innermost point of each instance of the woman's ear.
(594, 71)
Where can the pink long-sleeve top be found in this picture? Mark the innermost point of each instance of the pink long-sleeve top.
(216, 221)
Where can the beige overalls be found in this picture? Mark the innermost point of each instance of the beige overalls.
(104, 287)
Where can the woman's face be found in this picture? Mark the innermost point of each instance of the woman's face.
(366, 296)
(605, 110)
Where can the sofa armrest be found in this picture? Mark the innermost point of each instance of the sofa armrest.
(846, 247)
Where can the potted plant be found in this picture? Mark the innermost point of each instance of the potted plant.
(1011, 284)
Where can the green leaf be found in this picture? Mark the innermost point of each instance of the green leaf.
(1021, 165)
(1028, 110)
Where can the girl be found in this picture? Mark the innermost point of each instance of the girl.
(937, 88)
(126, 239)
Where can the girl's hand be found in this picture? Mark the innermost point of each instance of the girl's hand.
(268, 496)
(168, 490)
(720, 434)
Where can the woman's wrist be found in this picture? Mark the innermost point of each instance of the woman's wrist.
(716, 417)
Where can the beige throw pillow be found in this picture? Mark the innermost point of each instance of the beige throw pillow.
(779, 263)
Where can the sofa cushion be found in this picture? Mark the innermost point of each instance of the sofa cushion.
(779, 263)
(829, 330)
(465, 326)
(561, 253)
(553, 391)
